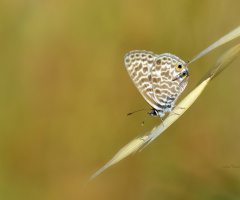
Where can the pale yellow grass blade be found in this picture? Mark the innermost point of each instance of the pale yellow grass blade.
(148, 137)
(124, 152)
(230, 36)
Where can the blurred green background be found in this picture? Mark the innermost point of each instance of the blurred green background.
(65, 94)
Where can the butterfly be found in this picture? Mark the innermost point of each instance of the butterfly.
(159, 78)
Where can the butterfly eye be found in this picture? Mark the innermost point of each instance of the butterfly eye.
(179, 67)
(184, 74)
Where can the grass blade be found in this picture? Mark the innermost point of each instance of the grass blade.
(230, 36)
(144, 139)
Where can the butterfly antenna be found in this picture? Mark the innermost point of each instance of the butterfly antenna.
(187, 63)
(139, 110)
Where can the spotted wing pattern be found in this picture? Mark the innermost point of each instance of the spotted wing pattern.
(139, 65)
(165, 89)
(157, 78)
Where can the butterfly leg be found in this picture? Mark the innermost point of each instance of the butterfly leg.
(161, 120)
(152, 113)
(145, 119)
(178, 107)
(175, 113)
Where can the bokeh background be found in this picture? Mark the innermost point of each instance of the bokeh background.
(65, 93)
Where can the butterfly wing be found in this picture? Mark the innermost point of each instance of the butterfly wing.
(139, 65)
(166, 90)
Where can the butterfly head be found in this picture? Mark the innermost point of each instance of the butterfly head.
(182, 72)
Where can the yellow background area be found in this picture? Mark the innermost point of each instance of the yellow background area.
(65, 93)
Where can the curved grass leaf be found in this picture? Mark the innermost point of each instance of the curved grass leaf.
(144, 139)
(230, 36)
